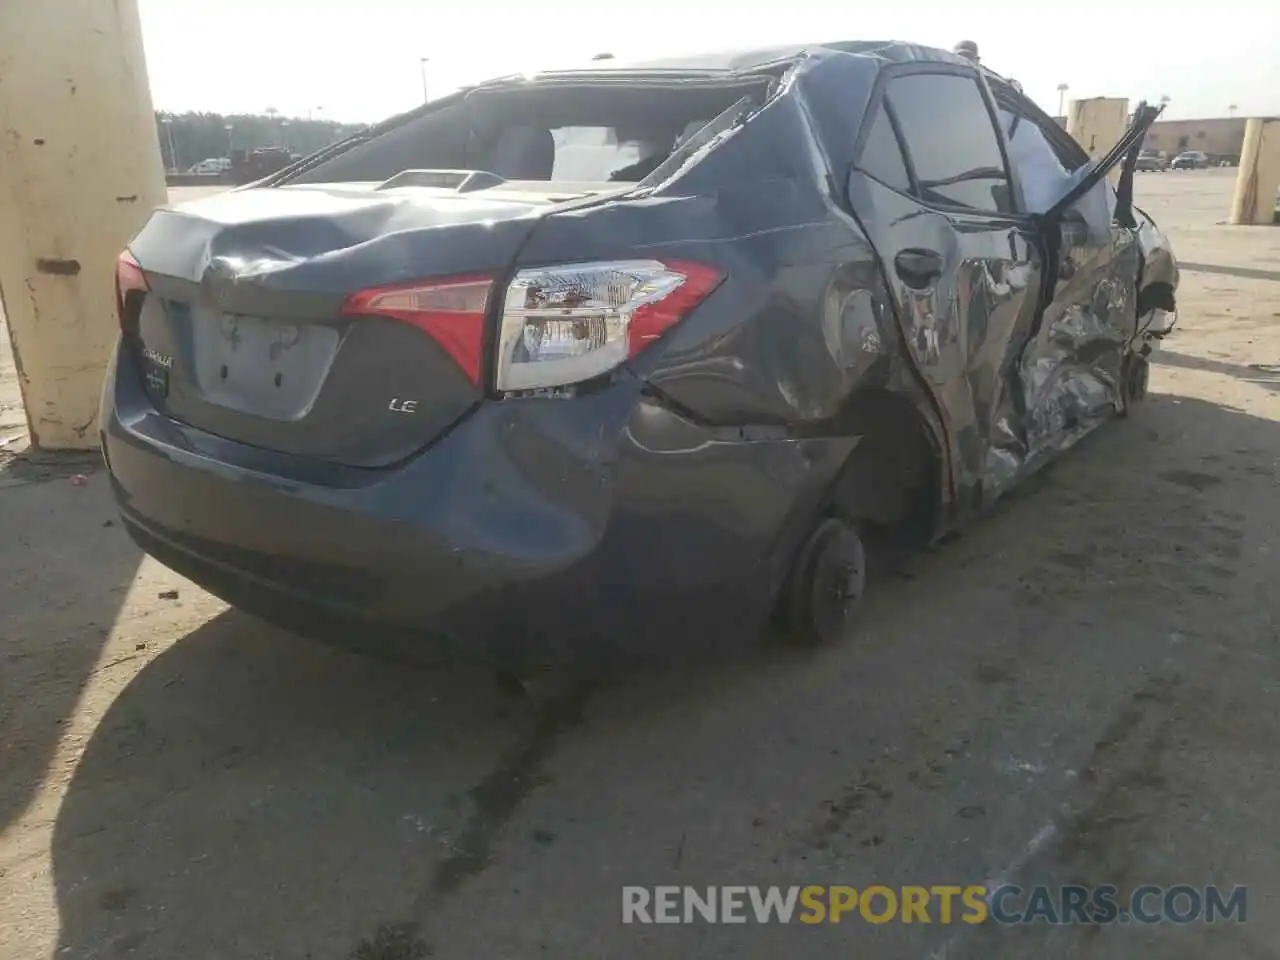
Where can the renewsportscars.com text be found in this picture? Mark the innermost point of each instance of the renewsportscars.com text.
(943, 904)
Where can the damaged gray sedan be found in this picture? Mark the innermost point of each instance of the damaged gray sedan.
(623, 361)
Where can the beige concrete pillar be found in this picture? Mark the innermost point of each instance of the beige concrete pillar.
(80, 170)
(1097, 124)
(1259, 176)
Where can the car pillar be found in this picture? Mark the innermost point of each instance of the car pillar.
(80, 171)
(1097, 123)
(1258, 178)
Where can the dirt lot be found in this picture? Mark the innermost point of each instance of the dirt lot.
(1082, 688)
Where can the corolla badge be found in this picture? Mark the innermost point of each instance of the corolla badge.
(159, 359)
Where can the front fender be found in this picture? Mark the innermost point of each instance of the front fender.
(1157, 280)
(1158, 262)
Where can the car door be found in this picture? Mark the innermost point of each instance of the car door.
(931, 185)
(1070, 367)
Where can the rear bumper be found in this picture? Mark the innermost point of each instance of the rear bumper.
(605, 525)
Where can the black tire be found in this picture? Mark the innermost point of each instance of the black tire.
(1142, 378)
(827, 585)
(1134, 378)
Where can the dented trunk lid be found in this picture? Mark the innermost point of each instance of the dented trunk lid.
(241, 333)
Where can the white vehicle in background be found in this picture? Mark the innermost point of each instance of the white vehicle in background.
(211, 167)
(1190, 160)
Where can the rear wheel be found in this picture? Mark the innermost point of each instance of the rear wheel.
(882, 503)
(827, 585)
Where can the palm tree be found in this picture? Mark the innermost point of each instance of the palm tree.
(1062, 94)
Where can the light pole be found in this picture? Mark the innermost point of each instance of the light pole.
(284, 133)
(422, 66)
(168, 135)
(1062, 97)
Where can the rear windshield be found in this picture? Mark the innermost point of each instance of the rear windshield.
(583, 132)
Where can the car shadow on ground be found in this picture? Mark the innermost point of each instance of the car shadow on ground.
(252, 794)
(1263, 374)
(65, 567)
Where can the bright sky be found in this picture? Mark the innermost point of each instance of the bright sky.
(359, 60)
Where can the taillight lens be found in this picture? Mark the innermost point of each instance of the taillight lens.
(565, 324)
(129, 280)
(451, 310)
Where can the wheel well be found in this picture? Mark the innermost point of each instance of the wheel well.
(892, 480)
(1156, 295)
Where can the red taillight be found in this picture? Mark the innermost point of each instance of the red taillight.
(652, 320)
(129, 279)
(451, 311)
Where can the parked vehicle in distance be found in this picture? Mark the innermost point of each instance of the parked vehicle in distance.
(211, 166)
(1190, 160)
(425, 384)
(1153, 160)
(251, 165)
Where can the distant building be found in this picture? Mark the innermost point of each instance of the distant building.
(1216, 136)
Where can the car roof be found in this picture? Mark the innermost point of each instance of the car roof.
(742, 60)
(704, 65)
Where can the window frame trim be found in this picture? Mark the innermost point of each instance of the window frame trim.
(1058, 138)
(879, 100)
(864, 136)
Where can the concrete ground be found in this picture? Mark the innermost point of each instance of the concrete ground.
(1081, 688)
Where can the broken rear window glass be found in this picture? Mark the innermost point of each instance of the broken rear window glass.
(563, 131)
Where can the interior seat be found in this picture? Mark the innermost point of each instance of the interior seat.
(522, 153)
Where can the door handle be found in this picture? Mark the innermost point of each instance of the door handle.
(918, 268)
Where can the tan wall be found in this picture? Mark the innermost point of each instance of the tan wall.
(1216, 135)
(1259, 176)
(80, 171)
(1098, 124)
